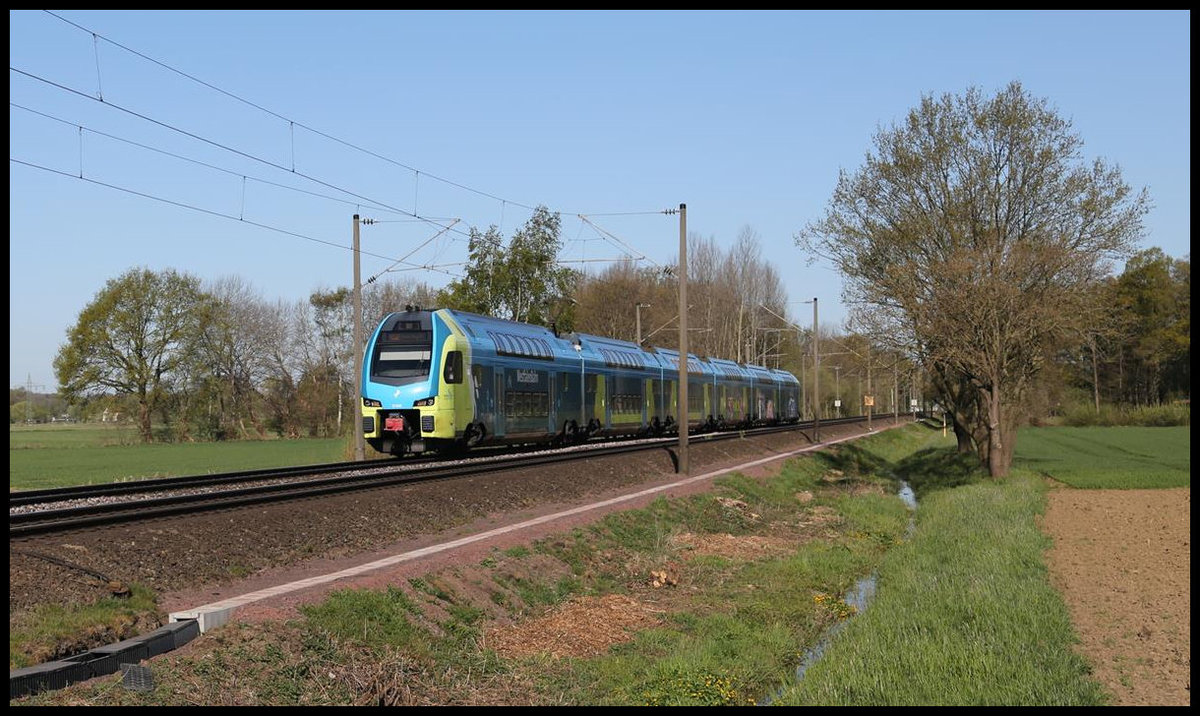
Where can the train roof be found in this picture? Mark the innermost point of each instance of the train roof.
(531, 340)
(785, 377)
(728, 368)
(518, 339)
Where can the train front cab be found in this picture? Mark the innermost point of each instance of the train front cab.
(412, 395)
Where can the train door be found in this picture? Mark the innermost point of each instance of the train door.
(672, 400)
(663, 396)
(572, 401)
(485, 402)
(526, 402)
(756, 402)
(498, 396)
(696, 397)
(600, 396)
(552, 402)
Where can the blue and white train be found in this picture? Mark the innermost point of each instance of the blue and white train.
(445, 379)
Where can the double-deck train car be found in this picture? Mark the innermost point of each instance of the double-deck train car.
(442, 379)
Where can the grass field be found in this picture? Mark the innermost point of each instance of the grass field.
(70, 435)
(1108, 457)
(72, 454)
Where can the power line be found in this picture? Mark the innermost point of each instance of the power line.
(293, 122)
(621, 244)
(218, 214)
(167, 125)
(197, 137)
(206, 165)
(410, 253)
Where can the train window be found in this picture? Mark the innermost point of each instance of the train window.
(626, 403)
(402, 358)
(521, 404)
(622, 359)
(524, 346)
(454, 367)
(410, 336)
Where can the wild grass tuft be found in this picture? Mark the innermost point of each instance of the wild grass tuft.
(37, 636)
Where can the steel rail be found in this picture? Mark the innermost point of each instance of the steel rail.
(36, 523)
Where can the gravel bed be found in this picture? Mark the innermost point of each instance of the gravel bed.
(224, 547)
(293, 479)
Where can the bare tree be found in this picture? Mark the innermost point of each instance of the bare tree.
(281, 352)
(232, 352)
(606, 303)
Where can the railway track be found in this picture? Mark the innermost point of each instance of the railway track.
(117, 503)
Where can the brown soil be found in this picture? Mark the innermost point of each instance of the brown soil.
(1122, 560)
(582, 628)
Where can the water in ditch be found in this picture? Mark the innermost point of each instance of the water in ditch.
(858, 597)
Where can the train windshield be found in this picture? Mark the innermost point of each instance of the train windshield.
(402, 357)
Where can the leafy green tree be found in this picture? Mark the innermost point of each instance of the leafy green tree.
(972, 234)
(1179, 370)
(477, 291)
(1154, 294)
(35, 411)
(521, 281)
(132, 338)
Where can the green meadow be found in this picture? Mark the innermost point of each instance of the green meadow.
(46, 456)
(1108, 457)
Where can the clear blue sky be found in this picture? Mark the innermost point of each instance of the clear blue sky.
(746, 117)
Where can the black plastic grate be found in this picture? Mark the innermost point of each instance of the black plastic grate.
(135, 677)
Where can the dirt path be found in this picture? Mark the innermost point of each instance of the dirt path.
(1122, 560)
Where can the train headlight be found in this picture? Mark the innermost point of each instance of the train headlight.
(368, 403)
(423, 403)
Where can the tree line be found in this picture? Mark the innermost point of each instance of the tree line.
(977, 250)
(217, 361)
